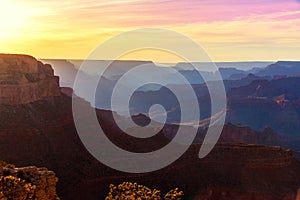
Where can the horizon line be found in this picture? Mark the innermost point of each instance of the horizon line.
(163, 62)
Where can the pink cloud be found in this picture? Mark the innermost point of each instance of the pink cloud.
(165, 12)
(162, 12)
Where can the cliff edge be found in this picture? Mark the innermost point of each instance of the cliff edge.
(23, 79)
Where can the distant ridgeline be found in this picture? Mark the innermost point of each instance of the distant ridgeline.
(23, 79)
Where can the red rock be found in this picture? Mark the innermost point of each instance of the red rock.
(23, 79)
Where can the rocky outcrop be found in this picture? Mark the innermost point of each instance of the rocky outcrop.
(23, 79)
(233, 133)
(242, 134)
(26, 183)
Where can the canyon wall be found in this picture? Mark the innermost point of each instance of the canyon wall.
(23, 79)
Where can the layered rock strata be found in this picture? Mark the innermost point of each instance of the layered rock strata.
(23, 79)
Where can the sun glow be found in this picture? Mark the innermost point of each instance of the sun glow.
(13, 18)
(228, 30)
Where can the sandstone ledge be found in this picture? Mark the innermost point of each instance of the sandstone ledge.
(23, 79)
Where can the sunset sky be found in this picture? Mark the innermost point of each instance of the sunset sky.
(229, 30)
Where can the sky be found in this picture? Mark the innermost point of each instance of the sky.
(228, 30)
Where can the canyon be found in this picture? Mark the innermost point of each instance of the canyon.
(40, 131)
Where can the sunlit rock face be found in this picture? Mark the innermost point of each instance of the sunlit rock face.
(23, 79)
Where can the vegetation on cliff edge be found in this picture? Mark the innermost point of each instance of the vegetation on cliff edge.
(134, 191)
(13, 187)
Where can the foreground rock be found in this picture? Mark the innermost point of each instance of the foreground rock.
(27, 183)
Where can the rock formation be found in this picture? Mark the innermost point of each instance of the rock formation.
(23, 79)
(232, 133)
(26, 183)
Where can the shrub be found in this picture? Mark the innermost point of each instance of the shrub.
(133, 191)
(12, 187)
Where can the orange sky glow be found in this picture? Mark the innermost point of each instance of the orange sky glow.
(228, 30)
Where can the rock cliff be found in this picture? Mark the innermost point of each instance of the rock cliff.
(23, 79)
